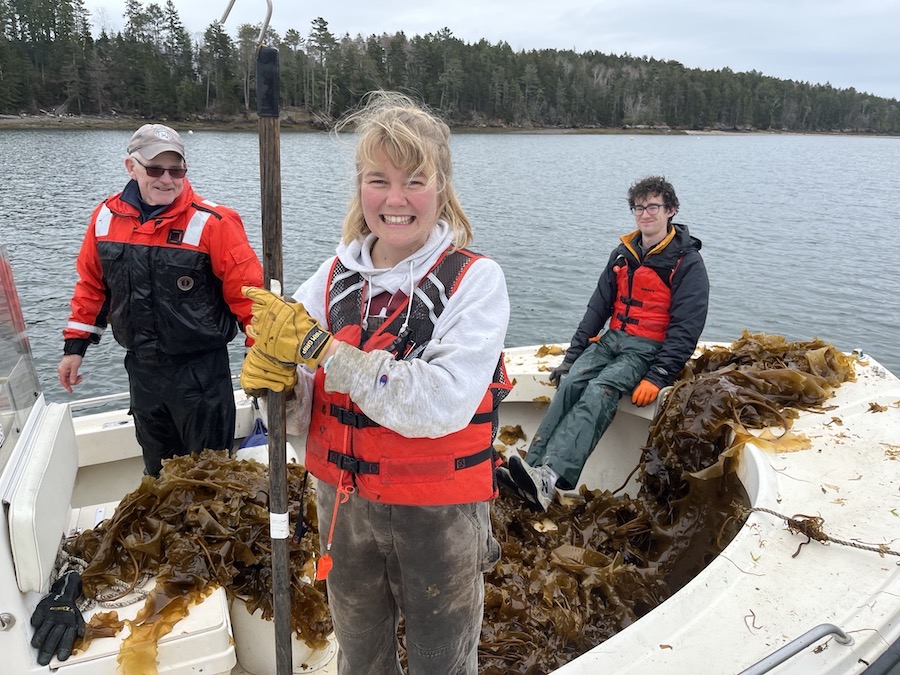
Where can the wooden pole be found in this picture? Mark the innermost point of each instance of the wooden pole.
(267, 97)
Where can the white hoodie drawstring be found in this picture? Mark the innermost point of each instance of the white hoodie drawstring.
(412, 289)
(368, 289)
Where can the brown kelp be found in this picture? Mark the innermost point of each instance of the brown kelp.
(203, 522)
(566, 581)
(572, 578)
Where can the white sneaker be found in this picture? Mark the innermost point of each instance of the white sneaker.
(537, 482)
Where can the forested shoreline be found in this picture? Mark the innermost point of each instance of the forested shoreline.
(53, 68)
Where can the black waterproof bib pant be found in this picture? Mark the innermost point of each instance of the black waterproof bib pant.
(181, 404)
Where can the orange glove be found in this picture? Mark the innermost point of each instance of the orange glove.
(646, 392)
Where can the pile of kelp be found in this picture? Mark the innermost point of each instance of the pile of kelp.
(203, 523)
(566, 581)
(573, 577)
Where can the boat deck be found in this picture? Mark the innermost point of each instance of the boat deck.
(771, 585)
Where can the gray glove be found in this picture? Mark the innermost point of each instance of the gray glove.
(560, 370)
(58, 620)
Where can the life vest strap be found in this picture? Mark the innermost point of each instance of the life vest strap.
(361, 421)
(352, 419)
(473, 459)
(352, 464)
(626, 319)
(485, 417)
(355, 465)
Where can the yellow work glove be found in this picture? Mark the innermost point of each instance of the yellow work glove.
(646, 392)
(284, 330)
(261, 372)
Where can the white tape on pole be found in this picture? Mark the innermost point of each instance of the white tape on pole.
(278, 525)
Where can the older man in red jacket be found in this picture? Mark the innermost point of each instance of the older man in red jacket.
(164, 267)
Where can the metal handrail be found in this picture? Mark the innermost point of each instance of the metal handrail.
(796, 646)
(120, 396)
(97, 400)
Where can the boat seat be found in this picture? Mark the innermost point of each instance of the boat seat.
(40, 514)
(43, 489)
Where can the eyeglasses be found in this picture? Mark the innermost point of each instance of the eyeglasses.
(652, 209)
(158, 171)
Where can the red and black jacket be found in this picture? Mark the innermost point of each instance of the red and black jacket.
(662, 295)
(168, 284)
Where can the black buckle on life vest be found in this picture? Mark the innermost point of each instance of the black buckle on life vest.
(352, 464)
(350, 418)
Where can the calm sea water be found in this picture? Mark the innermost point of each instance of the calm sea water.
(800, 233)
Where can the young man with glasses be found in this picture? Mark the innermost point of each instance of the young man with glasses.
(654, 292)
(165, 267)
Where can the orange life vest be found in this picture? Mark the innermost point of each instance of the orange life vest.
(344, 446)
(642, 303)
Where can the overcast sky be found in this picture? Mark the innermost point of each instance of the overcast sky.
(847, 43)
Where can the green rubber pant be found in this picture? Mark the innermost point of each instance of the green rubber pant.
(586, 402)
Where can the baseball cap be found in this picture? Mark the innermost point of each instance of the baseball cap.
(152, 139)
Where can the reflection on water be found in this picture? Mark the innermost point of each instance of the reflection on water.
(798, 233)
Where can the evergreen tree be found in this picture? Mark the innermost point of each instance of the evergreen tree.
(320, 45)
(218, 62)
(49, 61)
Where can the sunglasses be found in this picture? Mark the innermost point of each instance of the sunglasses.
(158, 171)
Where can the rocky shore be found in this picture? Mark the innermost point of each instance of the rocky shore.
(289, 120)
(293, 119)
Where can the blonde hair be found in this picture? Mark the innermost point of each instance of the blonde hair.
(415, 141)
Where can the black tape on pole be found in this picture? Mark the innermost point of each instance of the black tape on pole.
(268, 88)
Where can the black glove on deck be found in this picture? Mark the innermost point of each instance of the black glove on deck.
(559, 371)
(58, 620)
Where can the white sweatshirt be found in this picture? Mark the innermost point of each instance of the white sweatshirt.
(438, 393)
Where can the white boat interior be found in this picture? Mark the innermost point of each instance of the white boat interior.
(63, 467)
(831, 608)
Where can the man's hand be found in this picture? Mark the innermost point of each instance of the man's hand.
(263, 372)
(646, 392)
(284, 330)
(68, 371)
(560, 370)
(58, 620)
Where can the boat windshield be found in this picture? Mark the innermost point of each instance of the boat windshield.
(19, 387)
